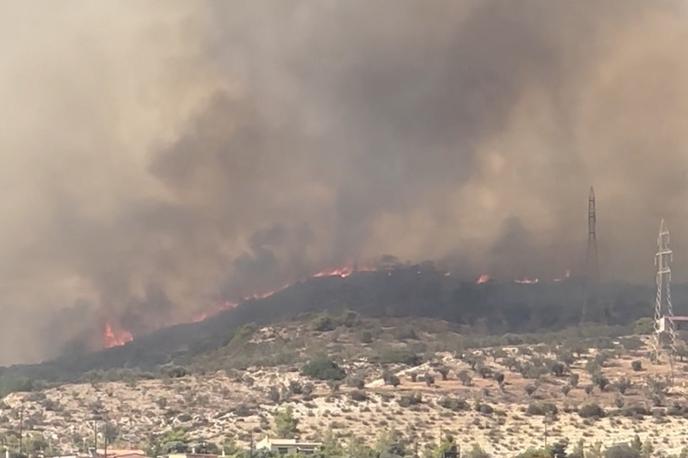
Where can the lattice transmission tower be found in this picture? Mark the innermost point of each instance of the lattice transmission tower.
(592, 267)
(664, 310)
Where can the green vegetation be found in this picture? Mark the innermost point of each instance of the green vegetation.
(286, 425)
(323, 368)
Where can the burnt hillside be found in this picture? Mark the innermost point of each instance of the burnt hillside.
(411, 291)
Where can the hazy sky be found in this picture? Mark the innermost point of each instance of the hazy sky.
(161, 156)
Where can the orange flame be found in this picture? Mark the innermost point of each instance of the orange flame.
(342, 272)
(527, 281)
(114, 337)
(483, 278)
(226, 305)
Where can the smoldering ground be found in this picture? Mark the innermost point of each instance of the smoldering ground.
(159, 157)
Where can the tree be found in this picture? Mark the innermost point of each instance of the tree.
(446, 444)
(390, 379)
(286, 425)
(465, 378)
(323, 368)
(621, 451)
(623, 384)
(429, 379)
(444, 372)
(331, 446)
(391, 444)
(110, 432)
(357, 448)
(557, 368)
(499, 378)
(600, 380)
(591, 410)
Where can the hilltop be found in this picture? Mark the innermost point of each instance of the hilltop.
(405, 292)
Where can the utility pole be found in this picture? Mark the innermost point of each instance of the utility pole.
(105, 439)
(95, 438)
(21, 429)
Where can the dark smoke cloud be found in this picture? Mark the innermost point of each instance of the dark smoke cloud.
(162, 157)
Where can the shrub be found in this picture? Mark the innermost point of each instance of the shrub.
(295, 387)
(530, 389)
(541, 408)
(356, 382)
(176, 372)
(358, 395)
(366, 337)
(557, 368)
(637, 365)
(600, 380)
(408, 400)
(390, 379)
(591, 410)
(400, 356)
(465, 378)
(444, 372)
(323, 323)
(455, 404)
(429, 379)
(486, 409)
(535, 453)
(622, 451)
(635, 410)
(323, 368)
(499, 377)
(623, 384)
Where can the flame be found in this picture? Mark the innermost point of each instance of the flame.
(342, 272)
(527, 281)
(567, 275)
(483, 278)
(115, 337)
(226, 305)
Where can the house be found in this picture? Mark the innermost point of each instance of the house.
(288, 446)
(190, 455)
(119, 453)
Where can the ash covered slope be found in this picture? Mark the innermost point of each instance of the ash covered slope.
(413, 291)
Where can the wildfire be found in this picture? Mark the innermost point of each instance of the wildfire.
(115, 337)
(226, 305)
(342, 272)
(566, 276)
(483, 278)
(527, 281)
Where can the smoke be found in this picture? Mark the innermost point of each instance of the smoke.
(161, 157)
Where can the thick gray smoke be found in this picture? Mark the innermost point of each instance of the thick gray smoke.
(161, 157)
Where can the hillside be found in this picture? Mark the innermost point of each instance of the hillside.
(410, 382)
(420, 291)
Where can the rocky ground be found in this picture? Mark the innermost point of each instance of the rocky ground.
(543, 396)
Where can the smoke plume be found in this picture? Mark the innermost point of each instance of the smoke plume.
(161, 157)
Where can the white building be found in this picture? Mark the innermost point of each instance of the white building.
(288, 446)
